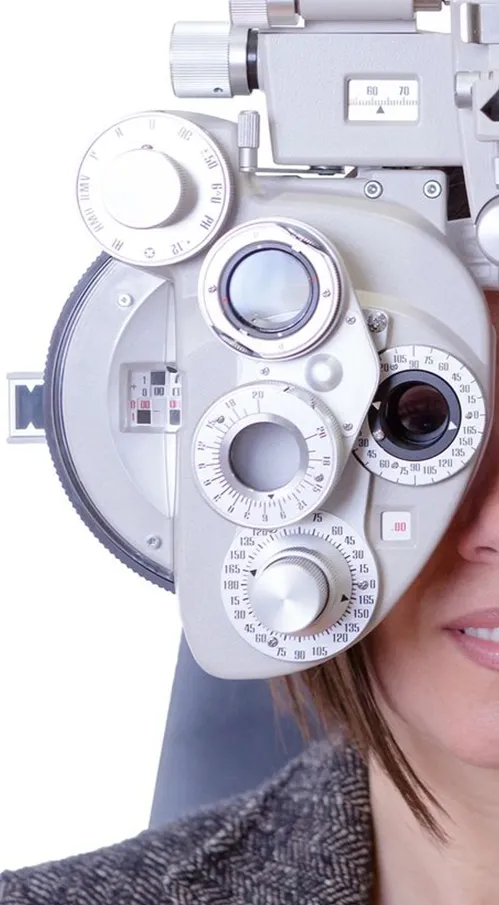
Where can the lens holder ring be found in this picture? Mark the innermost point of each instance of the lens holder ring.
(447, 459)
(315, 252)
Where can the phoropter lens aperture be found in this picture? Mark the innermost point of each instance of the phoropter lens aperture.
(265, 456)
(416, 413)
(268, 290)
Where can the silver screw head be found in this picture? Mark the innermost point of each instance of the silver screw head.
(432, 189)
(125, 300)
(373, 189)
(377, 321)
(379, 435)
(154, 542)
(351, 320)
(348, 427)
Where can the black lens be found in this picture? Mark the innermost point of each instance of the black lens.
(269, 290)
(417, 413)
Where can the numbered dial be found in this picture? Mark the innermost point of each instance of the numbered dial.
(267, 454)
(427, 420)
(303, 593)
(154, 189)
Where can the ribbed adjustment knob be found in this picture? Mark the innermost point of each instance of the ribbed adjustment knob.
(290, 594)
(248, 129)
(208, 59)
(143, 189)
(251, 13)
(263, 13)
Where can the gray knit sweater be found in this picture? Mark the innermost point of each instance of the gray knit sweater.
(303, 838)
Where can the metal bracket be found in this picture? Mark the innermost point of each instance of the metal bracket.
(480, 23)
(26, 421)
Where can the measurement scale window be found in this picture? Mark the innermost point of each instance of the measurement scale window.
(383, 100)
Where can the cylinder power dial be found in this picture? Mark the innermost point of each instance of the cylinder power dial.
(154, 189)
(267, 455)
(303, 593)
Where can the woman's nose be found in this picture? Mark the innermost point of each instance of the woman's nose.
(479, 535)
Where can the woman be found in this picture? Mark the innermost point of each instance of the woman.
(403, 811)
(421, 699)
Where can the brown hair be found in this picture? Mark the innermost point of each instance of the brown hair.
(340, 692)
(338, 697)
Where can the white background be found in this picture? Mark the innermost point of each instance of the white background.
(88, 649)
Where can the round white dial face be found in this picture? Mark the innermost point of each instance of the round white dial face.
(464, 428)
(267, 455)
(353, 595)
(154, 189)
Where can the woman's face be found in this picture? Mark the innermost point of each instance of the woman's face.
(431, 690)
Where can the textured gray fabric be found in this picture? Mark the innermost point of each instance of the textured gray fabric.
(302, 838)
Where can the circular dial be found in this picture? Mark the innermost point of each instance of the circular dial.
(303, 593)
(267, 454)
(154, 189)
(427, 419)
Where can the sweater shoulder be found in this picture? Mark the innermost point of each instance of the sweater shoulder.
(223, 848)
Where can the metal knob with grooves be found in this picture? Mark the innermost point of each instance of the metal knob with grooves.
(263, 13)
(289, 594)
(144, 189)
(209, 59)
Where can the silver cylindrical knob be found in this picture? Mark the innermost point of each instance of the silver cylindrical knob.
(143, 189)
(263, 13)
(289, 594)
(248, 139)
(487, 230)
(359, 10)
(209, 59)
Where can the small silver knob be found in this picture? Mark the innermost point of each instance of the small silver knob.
(143, 189)
(209, 59)
(487, 230)
(248, 139)
(289, 594)
(263, 13)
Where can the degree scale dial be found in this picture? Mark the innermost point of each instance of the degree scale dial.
(301, 594)
(267, 455)
(154, 189)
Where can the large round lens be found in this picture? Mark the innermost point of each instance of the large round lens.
(417, 413)
(265, 456)
(269, 290)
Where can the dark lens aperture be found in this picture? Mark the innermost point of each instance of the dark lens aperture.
(417, 413)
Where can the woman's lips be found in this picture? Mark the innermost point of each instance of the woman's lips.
(477, 619)
(484, 653)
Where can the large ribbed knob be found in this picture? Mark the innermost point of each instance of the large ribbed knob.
(289, 594)
(209, 59)
(143, 189)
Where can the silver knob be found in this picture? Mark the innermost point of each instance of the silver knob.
(209, 59)
(248, 139)
(289, 594)
(263, 13)
(143, 189)
(487, 230)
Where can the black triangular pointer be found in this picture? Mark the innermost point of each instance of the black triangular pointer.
(253, 572)
(344, 599)
(380, 110)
